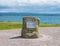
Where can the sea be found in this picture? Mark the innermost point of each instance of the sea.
(18, 17)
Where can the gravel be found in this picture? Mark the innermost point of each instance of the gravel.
(49, 36)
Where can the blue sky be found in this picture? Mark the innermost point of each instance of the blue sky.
(34, 6)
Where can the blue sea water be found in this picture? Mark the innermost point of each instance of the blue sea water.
(17, 17)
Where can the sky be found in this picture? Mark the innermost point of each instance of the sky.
(34, 6)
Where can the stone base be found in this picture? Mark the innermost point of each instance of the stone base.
(30, 35)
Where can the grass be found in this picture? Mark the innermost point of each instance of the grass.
(15, 25)
(49, 25)
(10, 25)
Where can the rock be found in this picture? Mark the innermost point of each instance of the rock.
(30, 27)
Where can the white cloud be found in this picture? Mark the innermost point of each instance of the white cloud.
(38, 2)
(45, 5)
(28, 2)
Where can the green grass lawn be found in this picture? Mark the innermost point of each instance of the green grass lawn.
(10, 25)
(15, 25)
(49, 25)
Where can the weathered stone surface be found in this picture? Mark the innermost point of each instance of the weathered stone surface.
(30, 27)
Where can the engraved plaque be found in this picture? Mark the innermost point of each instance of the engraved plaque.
(31, 24)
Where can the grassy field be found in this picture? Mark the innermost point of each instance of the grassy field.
(10, 25)
(49, 25)
(14, 25)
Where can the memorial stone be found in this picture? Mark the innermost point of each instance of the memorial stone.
(30, 27)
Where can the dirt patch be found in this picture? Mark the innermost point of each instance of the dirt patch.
(51, 37)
